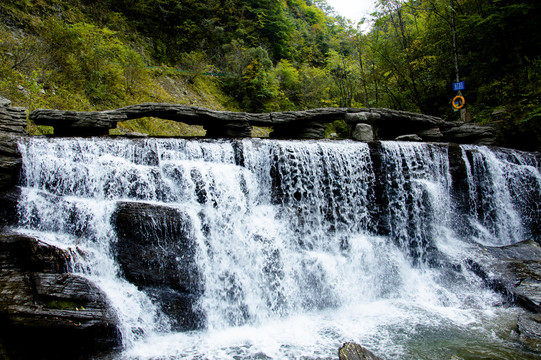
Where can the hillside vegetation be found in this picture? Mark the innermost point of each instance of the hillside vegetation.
(270, 55)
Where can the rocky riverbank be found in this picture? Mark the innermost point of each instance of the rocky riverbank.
(515, 271)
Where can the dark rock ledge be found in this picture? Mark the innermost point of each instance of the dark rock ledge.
(515, 271)
(45, 311)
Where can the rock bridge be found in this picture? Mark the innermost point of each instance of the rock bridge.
(307, 124)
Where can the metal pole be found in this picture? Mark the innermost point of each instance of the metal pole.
(455, 48)
(455, 54)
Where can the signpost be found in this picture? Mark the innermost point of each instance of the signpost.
(457, 86)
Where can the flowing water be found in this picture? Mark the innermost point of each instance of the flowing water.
(299, 245)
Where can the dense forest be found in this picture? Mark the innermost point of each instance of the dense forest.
(270, 55)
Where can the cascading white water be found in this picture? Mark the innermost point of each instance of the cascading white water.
(504, 193)
(417, 191)
(289, 242)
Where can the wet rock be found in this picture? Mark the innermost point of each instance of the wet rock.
(352, 351)
(460, 188)
(156, 251)
(182, 308)
(8, 207)
(515, 271)
(529, 329)
(45, 311)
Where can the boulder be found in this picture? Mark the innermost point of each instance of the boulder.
(156, 251)
(47, 312)
(363, 132)
(352, 351)
(4, 102)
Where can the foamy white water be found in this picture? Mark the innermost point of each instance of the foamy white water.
(503, 191)
(300, 245)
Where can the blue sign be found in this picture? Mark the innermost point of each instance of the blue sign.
(459, 86)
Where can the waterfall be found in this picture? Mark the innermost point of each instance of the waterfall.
(504, 195)
(280, 249)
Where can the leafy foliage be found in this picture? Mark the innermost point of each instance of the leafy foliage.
(275, 55)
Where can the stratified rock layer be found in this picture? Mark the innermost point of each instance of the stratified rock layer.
(12, 126)
(45, 311)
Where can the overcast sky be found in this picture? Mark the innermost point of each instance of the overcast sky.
(353, 9)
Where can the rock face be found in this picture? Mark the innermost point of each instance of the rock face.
(8, 207)
(352, 351)
(529, 329)
(515, 271)
(166, 272)
(46, 312)
(12, 126)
